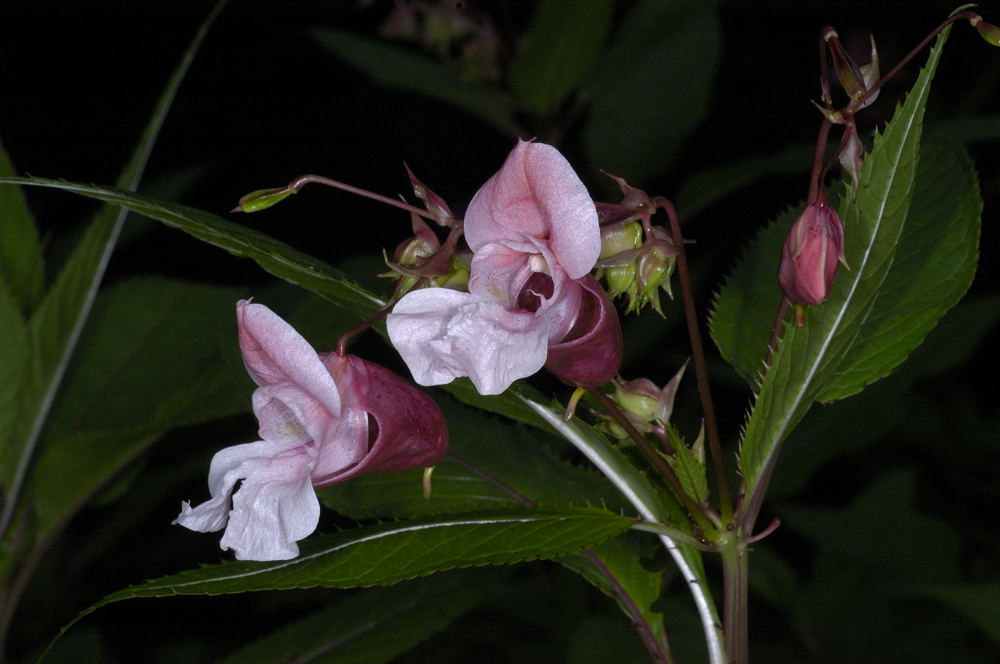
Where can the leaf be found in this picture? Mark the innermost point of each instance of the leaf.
(652, 505)
(22, 265)
(807, 357)
(375, 625)
(979, 602)
(387, 553)
(933, 266)
(55, 326)
(138, 372)
(743, 310)
(403, 70)
(616, 567)
(276, 257)
(559, 48)
(15, 352)
(653, 89)
(485, 455)
(689, 469)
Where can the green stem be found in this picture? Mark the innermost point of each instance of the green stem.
(700, 366)
(735, 599)
(639, 491)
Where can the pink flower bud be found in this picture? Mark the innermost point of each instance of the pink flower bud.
(809, 257)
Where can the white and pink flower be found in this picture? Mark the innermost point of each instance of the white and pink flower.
(323, 419)
(534, 233)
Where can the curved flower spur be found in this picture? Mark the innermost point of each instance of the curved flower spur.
(324, 418)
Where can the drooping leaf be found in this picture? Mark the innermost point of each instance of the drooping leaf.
(558, 50)
(387, 553)
(376, 625)
(403, 70)
(22, 265)
(616, 568)
(276, 257)
(807, 358)
(653, 87)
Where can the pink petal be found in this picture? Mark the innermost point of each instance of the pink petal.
(442, 334)
(275, 353)
(408, 428)
(537, 194)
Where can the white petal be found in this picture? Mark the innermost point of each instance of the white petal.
(274, 508)
(443, 334)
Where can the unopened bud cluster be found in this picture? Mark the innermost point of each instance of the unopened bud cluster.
(637, 259)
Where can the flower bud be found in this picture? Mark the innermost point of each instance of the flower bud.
(655, 266)
(848, 73)
(434, 203)
(619, 245)
(591, 353)
(262, 199)
(987, 31)
(809, 257)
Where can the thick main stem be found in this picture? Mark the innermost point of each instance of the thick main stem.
(700, 366)
(735, 599)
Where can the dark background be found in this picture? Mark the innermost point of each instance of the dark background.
(264, 103)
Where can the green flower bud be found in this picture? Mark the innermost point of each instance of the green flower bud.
(262, 199)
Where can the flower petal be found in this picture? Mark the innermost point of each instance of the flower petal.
(275, 353)
(408, 428)
(442, 334)
(537, 194)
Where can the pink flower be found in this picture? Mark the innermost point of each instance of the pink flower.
(534, 232)
(809, 258)
(323, 419)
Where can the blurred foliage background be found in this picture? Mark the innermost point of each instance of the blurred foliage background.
(886, 552)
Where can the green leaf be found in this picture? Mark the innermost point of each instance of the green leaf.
(378, 624)
(15, 352)
(653, 89)
(558, 50)
(403, 70)
(743, 310)
(22, 265)
(652, 505)
(933, 266)
(137, 373)
(616, 568)
(54, 328)
(980, 603)
(807, 358)
(387, 553)
(276, 257)
(689, 469)
(488, 459)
